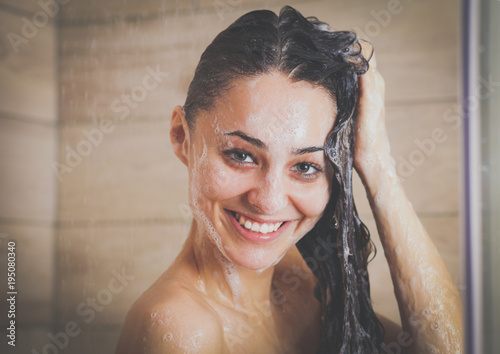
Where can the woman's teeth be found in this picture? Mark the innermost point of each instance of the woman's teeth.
(263, 228)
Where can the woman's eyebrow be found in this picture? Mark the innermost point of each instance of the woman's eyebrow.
(258, 143)
(308, 150)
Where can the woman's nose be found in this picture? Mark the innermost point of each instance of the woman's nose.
(269, 195)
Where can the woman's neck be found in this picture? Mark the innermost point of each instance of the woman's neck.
(222, 280)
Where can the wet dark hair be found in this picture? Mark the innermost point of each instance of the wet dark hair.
(306, 49)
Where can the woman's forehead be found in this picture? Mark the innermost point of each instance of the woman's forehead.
(277, 105)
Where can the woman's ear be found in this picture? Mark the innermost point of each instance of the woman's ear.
(179, 134)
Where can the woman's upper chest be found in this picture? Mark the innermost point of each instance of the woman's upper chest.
(287, 324)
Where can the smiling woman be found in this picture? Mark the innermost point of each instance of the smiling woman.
(244, 183)
(281, 108)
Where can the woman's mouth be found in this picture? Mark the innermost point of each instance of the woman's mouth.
(255, 226)
(256, 230)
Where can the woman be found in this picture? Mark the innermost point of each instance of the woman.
(279, 112)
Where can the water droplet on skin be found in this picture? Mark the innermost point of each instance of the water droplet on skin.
(426, 312)
(434, 326)
(153, 315)
(167, 337)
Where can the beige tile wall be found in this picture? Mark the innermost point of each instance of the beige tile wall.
(23, 7)
(121, 203)
(28, 67)
(91, 257)
(28, 141)
(27, 182)
(35, 257)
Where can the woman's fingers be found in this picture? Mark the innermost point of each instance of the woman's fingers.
(368, 52)
(372, 86)
(371, 80)
(371, 137)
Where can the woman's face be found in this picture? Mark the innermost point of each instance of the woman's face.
(259, 178)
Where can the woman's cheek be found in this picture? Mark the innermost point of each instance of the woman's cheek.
(312, 201)
(220, 181)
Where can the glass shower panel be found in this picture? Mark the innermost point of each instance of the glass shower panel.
(481, 202)
(490, 170)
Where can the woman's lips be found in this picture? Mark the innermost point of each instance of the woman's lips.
(257, 231)
(257, 226)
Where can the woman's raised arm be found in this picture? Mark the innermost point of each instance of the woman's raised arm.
(429, 302)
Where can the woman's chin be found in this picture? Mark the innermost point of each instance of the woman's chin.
(254, 259)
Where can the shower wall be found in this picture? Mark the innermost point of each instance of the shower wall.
(124, 207)
(122, 212)
(28, 144)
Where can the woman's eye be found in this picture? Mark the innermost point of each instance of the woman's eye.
(240, 156)
(307, 168)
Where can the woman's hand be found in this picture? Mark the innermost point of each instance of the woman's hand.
(371, 150)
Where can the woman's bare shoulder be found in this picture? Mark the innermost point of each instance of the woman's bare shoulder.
(171, 317)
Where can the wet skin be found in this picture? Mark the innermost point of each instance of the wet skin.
(258, 154)
(230, 290)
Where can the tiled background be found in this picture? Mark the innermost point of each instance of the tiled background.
(122, 208)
